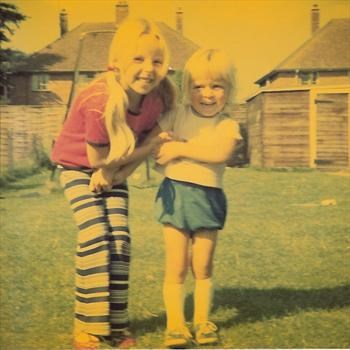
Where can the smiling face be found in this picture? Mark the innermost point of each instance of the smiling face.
(208, 81)
(208, 96)
(146, 69)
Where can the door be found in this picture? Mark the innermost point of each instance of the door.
(332, 150)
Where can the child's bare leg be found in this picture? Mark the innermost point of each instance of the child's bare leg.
(176, 266)
(203, 249)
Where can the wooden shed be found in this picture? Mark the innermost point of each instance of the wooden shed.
(299, 128)
(300, 116)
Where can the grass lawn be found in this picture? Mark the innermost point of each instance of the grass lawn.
(282, 267)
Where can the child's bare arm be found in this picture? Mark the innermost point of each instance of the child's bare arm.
(125, 171)
(154, 138)
(116, 172)
(98, 156)
(153, 141)
(217, 150)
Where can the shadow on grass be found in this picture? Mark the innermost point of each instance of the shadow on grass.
(251, 305)
(148, 325)
(22, 186)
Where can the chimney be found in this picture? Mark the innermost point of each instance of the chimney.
(63, 22)
(121, 12)
(179, 20)
(315, 19)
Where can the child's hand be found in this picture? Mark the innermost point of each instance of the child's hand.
(168, 151)
(101, 180)
(119, 177)
(164, 136)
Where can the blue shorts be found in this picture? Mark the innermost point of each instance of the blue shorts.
(189, 206)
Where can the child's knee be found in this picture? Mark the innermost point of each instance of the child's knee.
(202, 272)
(202, 276)
(176, 275)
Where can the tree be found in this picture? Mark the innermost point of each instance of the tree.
(10, 17)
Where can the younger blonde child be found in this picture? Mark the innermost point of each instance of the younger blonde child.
(190, 202)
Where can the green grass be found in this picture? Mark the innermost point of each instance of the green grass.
(282, 267)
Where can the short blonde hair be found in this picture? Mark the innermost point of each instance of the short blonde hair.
(213, 63)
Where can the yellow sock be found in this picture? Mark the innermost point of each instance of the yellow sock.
(203, 294)
(173, 294)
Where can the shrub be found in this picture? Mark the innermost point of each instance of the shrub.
(39, 161)
(40, 156)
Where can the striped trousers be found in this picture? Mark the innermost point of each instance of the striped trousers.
(103, 254)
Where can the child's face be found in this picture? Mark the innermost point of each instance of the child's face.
(208, 96)
(145, 70)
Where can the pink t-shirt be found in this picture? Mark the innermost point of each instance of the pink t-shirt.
(86, 124)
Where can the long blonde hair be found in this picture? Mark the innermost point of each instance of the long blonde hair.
(122, 49)
(212, 62)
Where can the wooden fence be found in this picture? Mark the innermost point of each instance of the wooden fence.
(26, 129)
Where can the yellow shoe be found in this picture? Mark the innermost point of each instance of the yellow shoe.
(85, 341)
(177, 338)
(206, 333)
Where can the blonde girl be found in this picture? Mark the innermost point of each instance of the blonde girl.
(106, 121)
(190, 202)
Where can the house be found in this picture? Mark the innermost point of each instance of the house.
(79, 55)
(300, 115)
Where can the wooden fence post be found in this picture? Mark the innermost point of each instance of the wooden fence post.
(148, 172)
(35, 153)
(10, 154)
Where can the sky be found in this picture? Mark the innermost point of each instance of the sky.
(258, 34)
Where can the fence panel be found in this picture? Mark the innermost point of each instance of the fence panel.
(23, 129)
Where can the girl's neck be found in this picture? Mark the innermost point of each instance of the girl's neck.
(135, 101)
(204, 116)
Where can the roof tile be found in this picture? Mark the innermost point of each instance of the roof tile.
(60, 55)
(327, 49)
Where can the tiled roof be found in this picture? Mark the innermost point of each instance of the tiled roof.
(60, 56)
(327, 49)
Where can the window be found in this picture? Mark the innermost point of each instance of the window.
(40, 82)
(85, 78)
(90, 75)
(308, 78)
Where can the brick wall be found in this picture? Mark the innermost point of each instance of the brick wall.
(21, 92)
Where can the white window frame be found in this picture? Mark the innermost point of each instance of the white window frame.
(86, 78)
(40, 82)
(308, 78)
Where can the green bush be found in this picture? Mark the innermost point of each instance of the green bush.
(40, 156)
(38, 161)
(16, 174)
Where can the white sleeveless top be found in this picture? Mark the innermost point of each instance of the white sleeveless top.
(188, 126)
